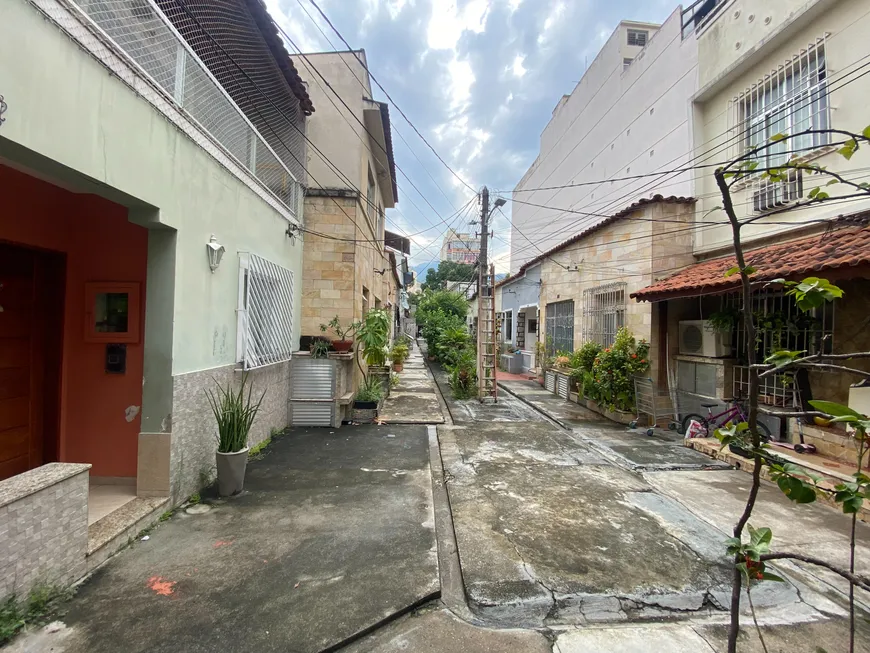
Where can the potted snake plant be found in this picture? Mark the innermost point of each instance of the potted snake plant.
(234, 411)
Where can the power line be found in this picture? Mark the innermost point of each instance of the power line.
(829, 88)
(392, 101)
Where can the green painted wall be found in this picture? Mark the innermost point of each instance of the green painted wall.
(66, 106)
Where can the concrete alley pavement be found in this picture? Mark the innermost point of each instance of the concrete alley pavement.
(571, 523)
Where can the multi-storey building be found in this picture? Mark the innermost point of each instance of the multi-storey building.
(629, 116)
(460, 248)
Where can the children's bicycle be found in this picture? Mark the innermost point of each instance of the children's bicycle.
(711, 422)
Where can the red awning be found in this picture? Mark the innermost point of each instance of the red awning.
(844, 249)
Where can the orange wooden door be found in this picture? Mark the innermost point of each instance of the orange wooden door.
(20, 432)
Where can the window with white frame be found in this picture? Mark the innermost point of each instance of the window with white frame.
(603, 313)
(507, 326)
(265, 313)
(626, 63)
(637, 37)
(789, 100)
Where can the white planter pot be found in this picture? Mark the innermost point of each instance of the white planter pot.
(231, 471)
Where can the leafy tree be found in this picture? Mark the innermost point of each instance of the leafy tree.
(797, 484)
(447, 271)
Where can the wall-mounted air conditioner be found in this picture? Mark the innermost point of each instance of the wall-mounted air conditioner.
(699, 338)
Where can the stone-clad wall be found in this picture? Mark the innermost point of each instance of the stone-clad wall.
(43, 528)
(644, 246)
(336, 271)
(194, 442)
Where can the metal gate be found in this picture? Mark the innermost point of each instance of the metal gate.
(560, 327)
(312, 392)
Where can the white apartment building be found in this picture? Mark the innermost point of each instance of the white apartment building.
(630, 115)
(460, 248)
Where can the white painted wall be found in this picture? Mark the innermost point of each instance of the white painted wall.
(616, 123)
(742, 44)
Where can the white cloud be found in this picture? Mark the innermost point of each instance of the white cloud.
(447, 22)
(518, 69)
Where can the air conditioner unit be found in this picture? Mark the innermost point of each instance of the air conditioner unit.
(699, 338)
(775, 194)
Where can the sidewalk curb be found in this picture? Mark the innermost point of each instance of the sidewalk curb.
(543, 412)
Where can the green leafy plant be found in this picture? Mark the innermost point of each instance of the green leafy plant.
(584, 358)
(340, 331)
(614, 369)
(369, 390)
(463, 375)
(319, 348)
(399, 353)
(234, 411)
(395, 379)
(40, 606)
(725, 320)
(373, 335)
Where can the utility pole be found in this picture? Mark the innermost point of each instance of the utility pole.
(487, 347)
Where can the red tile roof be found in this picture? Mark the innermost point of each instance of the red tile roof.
(847, 247)
(673, 199)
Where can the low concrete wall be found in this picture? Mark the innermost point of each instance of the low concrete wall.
(43, 528)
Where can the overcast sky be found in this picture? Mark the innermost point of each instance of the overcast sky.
(478, 78)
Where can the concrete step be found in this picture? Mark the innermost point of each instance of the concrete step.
(113, 532)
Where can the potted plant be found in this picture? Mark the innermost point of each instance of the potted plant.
(398, 354)
(234, 413)
(373, 335)
(367, 399)
(319, 348)
(344, 343)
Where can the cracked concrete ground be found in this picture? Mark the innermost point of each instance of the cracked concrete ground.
(590, 523)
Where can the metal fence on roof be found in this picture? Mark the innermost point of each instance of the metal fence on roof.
(146, 36)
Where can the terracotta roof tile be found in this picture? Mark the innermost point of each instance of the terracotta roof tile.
(843, 248)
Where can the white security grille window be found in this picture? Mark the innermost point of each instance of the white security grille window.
(789, 100)
(637, 37)
(265, 323)
(560, 327)
(603, 313)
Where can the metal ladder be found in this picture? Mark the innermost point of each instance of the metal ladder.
(487, 347)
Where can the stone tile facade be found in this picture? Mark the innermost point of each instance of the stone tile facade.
(43, 528)
(337, 274)
(639, 248)
(192, 455)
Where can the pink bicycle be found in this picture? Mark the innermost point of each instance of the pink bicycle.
(711, 422)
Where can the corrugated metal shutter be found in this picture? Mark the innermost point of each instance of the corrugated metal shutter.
(312, 379)
(562, 386)
(312, 413)
(550, 381)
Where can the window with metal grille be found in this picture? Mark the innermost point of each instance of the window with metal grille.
(560, 327)
(265, 314)
(603, 312)
(789, 100)
(507, 331)
(637, 37)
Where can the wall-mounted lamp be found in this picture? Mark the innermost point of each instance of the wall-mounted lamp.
(215, 252)
(292, 230)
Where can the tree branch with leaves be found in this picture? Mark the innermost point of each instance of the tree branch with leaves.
(797, 484)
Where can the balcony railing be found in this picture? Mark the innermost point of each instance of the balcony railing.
(699, 12)
(141, 30)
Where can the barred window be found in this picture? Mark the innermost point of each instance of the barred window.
(560, 327)
(603, 313)
(789, 100)
(265, 314)
(637, 37)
